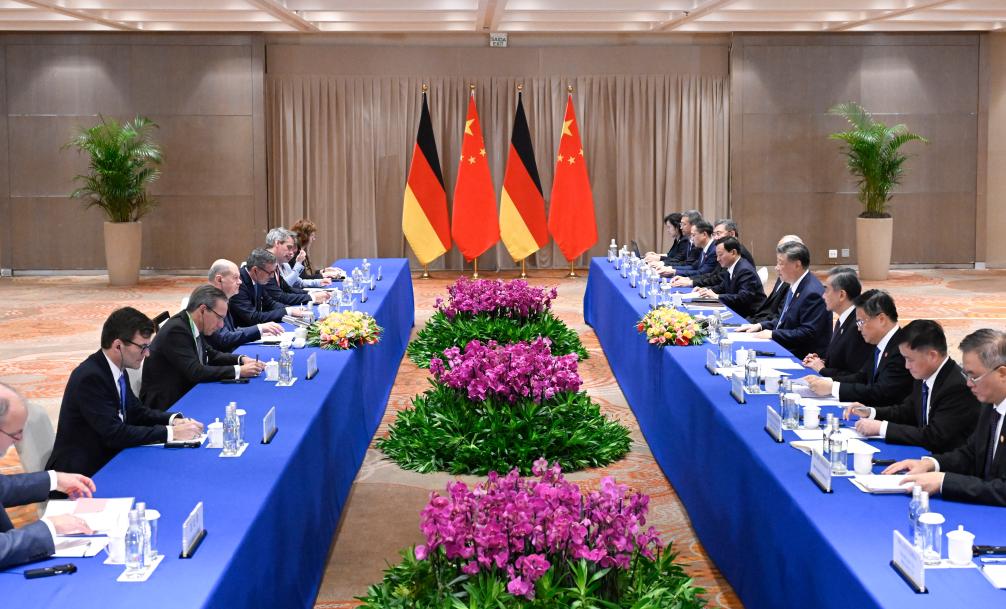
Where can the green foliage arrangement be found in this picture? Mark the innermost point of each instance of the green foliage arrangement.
(431, 584)
(123, 160)
(445, 431)
(442, 332)
(873, 156)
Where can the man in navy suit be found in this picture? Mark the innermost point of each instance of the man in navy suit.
(740, 288)
(280, 242)
(702, 238)
(100, 415)
(252, 304)
(847, 352)
(37, 540)
(976, 471)
(804, 324)
(225, 276)
(941, 411)
(883, 380)
(721, 230)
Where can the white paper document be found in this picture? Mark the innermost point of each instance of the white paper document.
(778, 363)
(746, 337)
(880, 484)
(274, 339)
(817, 434)
(854, 446)
(995, 574)
(79, 547)
(102, 515)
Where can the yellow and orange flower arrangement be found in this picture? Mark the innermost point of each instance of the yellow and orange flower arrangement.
(664, 326)
(344, 330)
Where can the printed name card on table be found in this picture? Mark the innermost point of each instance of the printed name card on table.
(820, 471)
(312, 366)
(269, 425)
(193, 532)
(737, 389)
(773, 423)
(712, 361)
(907, 561)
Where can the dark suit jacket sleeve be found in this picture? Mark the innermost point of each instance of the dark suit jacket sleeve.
(810, 314)
(889, 387)
(216, 358)
(245, 313)
(100, 411)
(710, 280)
(748, 294)
(286, 298)
(180, 351)
(229, 340)
(30, 543)
(962, 487)
(709, 265)
(953, 415)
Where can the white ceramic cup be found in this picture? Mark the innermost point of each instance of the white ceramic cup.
(771, 382)
(741, 356)
(959, 546)
(299, 333)
(272, 370)
(116, 548)
(862, 463)
(215, 433)
(811, 417)
(299, 342)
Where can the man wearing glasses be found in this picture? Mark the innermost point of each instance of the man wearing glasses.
(976, 471)
(38, 539)
(180, 358)
(100, 415)
(252, 305)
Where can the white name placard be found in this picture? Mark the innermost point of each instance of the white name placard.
(820, 471)
(907, 561)
(193, 531)
(269, 425)
(773, 424)
(312, 366)
(711, 362)
(737, 389)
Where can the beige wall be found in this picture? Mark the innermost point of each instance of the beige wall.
(994, 226)
(205, 92)
(788, 177)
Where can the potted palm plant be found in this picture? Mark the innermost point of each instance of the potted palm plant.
(874, 158)
(123, 163)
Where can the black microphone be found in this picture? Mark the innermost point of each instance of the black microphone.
(50, 571)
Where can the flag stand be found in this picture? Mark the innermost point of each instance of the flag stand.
(572, 269)
(475, 275)
(426, 271)
(523, 268)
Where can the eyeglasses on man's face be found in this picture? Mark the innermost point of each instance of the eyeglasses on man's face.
(974, 380)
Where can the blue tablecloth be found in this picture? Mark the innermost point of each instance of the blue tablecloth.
(779, 540)
(270, 515)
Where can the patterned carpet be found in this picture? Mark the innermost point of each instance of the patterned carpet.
(48, 325)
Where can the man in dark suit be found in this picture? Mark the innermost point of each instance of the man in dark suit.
(252, 305)
(847, 352)
(804, 324)
(226, 276)
(280, 242)
(772, 305)
(100, 415)
(941, 411)
(683, 252)
(37, 540)
(180, 357)
(740, 288)
(883, 380)
(976, 471)
(721, 230)
(702, 239)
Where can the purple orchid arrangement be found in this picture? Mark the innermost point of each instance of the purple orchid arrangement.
(521, 527)
(510, 372)
(501, 298)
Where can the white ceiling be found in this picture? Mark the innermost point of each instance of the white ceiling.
(503, 15)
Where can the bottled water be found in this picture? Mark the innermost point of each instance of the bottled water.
(918, 538)
(231, 429)
(612, 251)
(285, 364)
(839, 449)
(141, 510)
(913, 513)
(134, 544)
(826, 434)
(713, 328)
(751, 372)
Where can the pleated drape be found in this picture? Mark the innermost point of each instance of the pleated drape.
(339, 149)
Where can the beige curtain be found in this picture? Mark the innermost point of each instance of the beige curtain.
(339, 150)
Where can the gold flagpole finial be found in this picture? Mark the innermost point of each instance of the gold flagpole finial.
(471, 87)
(426, 87)
(520, 87)
(569, 88)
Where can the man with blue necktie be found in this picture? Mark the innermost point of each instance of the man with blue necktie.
(100, 415)
(702, 238)
(883, 380)
(976, 471)
(804, 323)
(252, 305)
(225, 276)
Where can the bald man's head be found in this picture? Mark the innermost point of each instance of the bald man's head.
(13, 416)
(789, 239)
(225, 275)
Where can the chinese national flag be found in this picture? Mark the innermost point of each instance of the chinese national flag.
(571, 217)
(523, 227)
(424, 211)
(474, 227)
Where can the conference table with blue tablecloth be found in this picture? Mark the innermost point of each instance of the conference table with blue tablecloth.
(270, 515)
(778, 539)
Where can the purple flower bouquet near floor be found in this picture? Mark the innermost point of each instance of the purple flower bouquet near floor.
(514, 542)
(487, 309)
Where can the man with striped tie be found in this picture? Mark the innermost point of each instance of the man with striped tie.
(100, 415)
(976, 471)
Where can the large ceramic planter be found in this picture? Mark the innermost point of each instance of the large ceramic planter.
(873, 247)
(122, 252)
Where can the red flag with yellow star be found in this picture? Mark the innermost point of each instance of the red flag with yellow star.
(474, 224)
(571, 217)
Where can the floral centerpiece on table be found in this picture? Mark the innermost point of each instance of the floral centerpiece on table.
(344, 330)
(664, 326)
(497, 407)
(487, 309)
(522, 543)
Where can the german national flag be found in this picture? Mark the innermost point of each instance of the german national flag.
(424, 213)
(523, 227)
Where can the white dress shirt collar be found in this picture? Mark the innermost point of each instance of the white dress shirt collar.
(793, 286)
(116, 372)
(882, 345)
(730, 269)
(931, 379)
(844, 315)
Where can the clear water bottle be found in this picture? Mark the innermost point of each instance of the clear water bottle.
(285, 364)
(612, 251)
(231, 429)
(644, 285)
(713, 328)
(141, 510)
(826, 434)
(913, 513)
(839, 450)
(365, 267)
(134, 544)
(751, 380)
(919, 537)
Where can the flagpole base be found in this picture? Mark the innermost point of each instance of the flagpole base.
(572, 270)
(475, 274)
(523, 268)
(426, 272)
